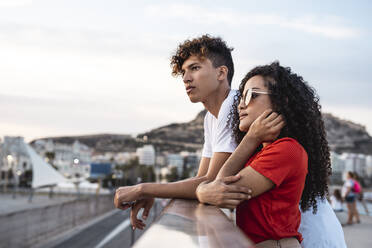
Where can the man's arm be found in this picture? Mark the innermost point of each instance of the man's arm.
(143, 193)
(181, 189)
(226, 192)
(203, 166)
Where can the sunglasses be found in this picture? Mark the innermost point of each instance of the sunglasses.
(251, 93)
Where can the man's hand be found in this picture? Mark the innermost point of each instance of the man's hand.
(146, 204)
(221, 194)
(267, 127)
(124, 196)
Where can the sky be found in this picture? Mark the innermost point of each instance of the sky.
(76, 67)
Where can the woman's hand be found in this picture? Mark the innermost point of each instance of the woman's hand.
(125, 196)
(221, 194)
(267, 127)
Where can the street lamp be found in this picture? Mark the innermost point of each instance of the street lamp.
(9, 159)
(76, 176)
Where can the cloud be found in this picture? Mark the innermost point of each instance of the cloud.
(326, 26)
(102, 71)
(14, 3)
(34, 117)
(309, 25)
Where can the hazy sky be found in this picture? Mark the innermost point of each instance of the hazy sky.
(70, 67)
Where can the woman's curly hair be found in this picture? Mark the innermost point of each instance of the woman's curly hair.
(298, 103)
(206, 46)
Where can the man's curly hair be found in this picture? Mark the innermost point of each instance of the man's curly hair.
(206, 46)
(298, 103)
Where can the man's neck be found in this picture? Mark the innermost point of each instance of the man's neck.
(214, 102)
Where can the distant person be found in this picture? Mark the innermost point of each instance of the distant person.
(336, 201)
(350, 198)
(358, 189)
(206, 66)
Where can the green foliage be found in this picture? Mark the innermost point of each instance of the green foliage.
(134, 170)
(173, 176)
(186, 172)
(50, 155)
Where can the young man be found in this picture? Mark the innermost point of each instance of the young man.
(206, 66)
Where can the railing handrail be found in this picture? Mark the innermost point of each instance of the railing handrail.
(187, 223)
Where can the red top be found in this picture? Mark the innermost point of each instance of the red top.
(275, 214)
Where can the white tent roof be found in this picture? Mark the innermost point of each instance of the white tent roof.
(43, 174)
(82, 185)
(88, 185)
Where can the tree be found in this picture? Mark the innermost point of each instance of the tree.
(134, 170)
(173, 176)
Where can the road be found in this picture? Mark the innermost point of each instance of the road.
(109, 232)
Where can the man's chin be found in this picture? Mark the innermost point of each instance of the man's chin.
(194, 99)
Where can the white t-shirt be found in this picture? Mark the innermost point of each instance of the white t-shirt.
(323, 229)
(320, 230)
(349, 183)
(217, 134)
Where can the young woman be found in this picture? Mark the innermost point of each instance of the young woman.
(350, 198)
(282, 173)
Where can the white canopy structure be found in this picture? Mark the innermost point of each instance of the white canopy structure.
(43, 174)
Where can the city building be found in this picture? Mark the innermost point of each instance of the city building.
(191, 162)
(15, 160)
(338, 168)
(146, 155)
(355, 163)
(72, 160)
(369, 166)
(175, 160)
(19, 159)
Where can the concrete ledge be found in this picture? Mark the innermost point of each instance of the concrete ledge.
(187, 223)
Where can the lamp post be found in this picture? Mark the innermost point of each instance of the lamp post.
(76, 174)
(9, 159)
(156, 165)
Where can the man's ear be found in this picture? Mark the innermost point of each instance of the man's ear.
(222, 72)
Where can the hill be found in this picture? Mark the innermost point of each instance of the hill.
(342, 135)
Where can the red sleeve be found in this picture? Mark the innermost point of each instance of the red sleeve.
(282, 159)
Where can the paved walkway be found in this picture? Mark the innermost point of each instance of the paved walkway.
(357, 235)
